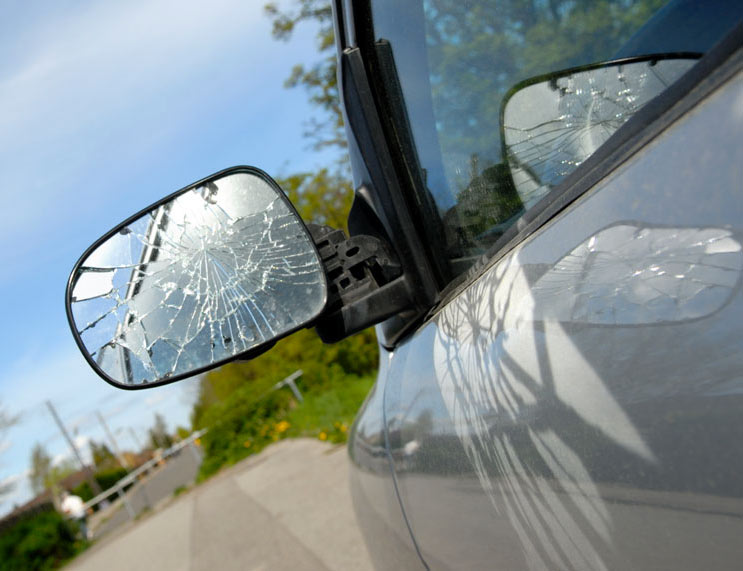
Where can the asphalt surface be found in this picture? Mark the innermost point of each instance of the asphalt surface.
(286, 508)
(147, 494)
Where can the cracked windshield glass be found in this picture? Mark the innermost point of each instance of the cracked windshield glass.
(506, 98)
(210, 274)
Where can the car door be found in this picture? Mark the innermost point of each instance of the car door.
(573, 399)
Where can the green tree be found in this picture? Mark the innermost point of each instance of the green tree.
(45, 475)
(323, 197)
(102, 456)
(41, 466)
(41, 541)
(182, 432)
(159, 437)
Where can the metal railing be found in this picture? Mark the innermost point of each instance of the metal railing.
(119, 487)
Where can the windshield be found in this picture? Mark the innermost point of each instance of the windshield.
(462, 66)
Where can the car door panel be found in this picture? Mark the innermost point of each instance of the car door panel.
(576, 406)
(373, 485)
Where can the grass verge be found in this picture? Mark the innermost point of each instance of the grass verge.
(245, 423)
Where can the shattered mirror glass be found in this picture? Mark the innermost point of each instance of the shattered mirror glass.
(219, 269)
(554, 123)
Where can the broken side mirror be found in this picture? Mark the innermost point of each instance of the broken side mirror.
(217, 271)
(552, 123)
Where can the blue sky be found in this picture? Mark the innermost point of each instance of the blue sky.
(104, 109)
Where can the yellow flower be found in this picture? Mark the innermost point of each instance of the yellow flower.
(247, 443)
(197, 441)
(323, 436)
(344, 427)
(282, 426)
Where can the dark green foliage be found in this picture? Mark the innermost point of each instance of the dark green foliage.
(42, 541)
(84, 491)
(483, 210)
(108, 478)
(105, 479)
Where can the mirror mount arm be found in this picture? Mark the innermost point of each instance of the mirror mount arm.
(365, 283)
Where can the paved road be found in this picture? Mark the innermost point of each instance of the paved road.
(179, 470)
(286, 508)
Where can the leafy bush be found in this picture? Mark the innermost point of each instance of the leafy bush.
(108, 478)
(249, 420)
(240, 419)
(41, 541)
(105, 480)
(84, 491)
(322, 366)
(243, 412)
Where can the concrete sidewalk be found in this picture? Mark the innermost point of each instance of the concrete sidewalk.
(286, 508)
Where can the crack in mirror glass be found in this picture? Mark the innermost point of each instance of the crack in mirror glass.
(551, 127)
(218, 270)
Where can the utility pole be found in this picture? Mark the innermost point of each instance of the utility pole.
(111, 438)
(89, 475)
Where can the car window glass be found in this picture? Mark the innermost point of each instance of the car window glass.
(504, 99)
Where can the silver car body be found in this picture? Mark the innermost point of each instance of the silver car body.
(576, 404)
